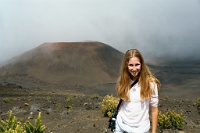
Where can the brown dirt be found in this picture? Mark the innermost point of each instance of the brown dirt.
(84, 116)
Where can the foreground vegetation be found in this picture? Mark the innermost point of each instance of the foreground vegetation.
(11, 125)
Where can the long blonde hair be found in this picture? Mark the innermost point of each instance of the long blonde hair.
(145, 77)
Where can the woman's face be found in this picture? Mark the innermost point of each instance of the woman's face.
(134, 67)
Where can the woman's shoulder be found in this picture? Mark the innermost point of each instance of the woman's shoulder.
(154, 82)
(154, 88)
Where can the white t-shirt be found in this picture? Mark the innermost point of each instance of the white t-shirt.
(135, 113)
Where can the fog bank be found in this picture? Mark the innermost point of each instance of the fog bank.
(159, 29)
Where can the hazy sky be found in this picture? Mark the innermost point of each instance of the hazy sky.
(156, 27)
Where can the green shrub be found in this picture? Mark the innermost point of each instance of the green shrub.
(59, 105)
(94, 96)
(197, 104)
(69, 100)
(37, 128)
(48, 98)
(6, 100)
(108, 105)
(170, 120)
(13, 126)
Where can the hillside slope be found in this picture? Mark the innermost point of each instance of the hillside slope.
(64, 63)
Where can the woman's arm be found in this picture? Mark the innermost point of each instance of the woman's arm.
(154, 113)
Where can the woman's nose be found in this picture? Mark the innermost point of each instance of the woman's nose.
(134, 68)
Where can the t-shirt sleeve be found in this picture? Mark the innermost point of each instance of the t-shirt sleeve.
(154, 98)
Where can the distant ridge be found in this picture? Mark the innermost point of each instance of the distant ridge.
(79, 63)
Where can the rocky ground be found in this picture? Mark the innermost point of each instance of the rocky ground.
(64, 111)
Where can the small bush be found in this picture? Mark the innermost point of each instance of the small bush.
(37, 128)
(48, 98)
(94, 96)
(6, 100)
(13, 126)
(108, 105)
(58, 106)
(69, 107)
(197, 104)
(69, 100)
(170, 120)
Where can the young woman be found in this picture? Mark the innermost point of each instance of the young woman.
(133, 116)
